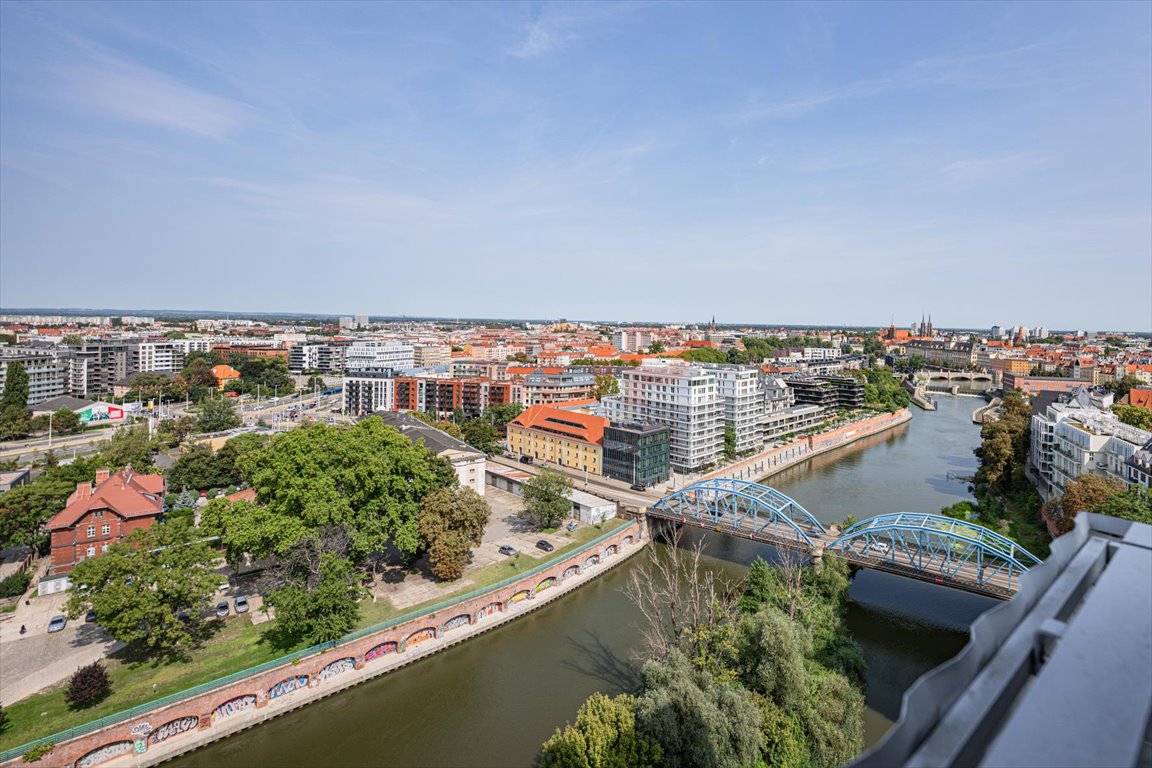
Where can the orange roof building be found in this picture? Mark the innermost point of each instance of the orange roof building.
(104, 513)
(223, 374)
(553, 436)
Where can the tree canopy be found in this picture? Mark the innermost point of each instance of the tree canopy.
(603, 736)
(545, 498)
(14, 422)
(452, 521)
(218, 414)
(1134, 415)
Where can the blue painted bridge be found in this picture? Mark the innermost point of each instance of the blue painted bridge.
(932, 548)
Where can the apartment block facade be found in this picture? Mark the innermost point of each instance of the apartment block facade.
(553, 436)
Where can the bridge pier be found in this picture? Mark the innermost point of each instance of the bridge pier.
(817, 554)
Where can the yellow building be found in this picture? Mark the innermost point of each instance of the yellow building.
(555, 436)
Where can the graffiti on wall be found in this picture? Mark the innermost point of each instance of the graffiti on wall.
(595, 559)
(457, 621)
(337, 667)
(104, 754)
(546, 584)
(571, 570)
(141, 729)
(380, 650)
(288, 685)
(521, 595)
(629, 540)
(419, 636)
(488, 610)
(611, 550)
(174, 728)
(238, 704)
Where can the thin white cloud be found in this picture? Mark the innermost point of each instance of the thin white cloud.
(542, 37)
(127, 91)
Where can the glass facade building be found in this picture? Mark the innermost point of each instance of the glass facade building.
(637, 454)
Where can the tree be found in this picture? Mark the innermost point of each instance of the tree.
(147, 591)
(233, 456)
(178, 429)
(603, 736)
(696, 721)
(452, 521)
(546, 498)
(65, 422)
(656, 347)
(317, 602)
(14, 422)
(704, 355)
(500, 415)
(1087, 493)
(1003, 450)
(367, 478)
(1134, 415)
(218, 414)
(1135, 503)
(606, 385)
(88, 685)
(197, 370)
(315, 383)
(129, 445)
(1122, 386)
(199, 468)
(72, 340)
(25, 509)
(482, 435)
(729, 442)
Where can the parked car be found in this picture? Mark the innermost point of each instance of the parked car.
(241, 604)
(544, 545)
(58, 623)
(525, 459)
(90, 617)
(222, 609)
(639, 487)
(571, 526)
(507, 550)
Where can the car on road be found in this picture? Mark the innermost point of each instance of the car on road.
(507, 550)
(90, 617)
(525, 459)
(639, 487)
(879, 546)
(545, 545)
(222, 609)
(58, 623)
(241, 604)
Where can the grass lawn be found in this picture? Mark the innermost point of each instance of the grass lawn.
(238, 645)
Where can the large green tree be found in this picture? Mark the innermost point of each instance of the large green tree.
(603, 736)
(148, 590)
(316, 600)
(546, 498)
(452, 521)
(696, 720)
(14, 421)
(606, 385)
(1092, 493)
(218, 414)
(1134, 415)
(367, 478)
(129, 445)
(25, 509)
(198, 467)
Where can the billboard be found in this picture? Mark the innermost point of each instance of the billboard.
(98, 412)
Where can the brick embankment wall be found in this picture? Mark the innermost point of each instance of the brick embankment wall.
(181, 727)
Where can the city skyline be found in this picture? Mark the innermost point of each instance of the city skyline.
(815, 164)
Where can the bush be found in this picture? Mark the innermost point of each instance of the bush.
(15, 584)
(88, 685)
(40, 750)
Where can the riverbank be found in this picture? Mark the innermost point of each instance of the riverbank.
(153, 733)
(769, 462)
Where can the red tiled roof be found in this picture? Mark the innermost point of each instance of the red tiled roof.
(572, 425)
(1140, 397)
(125, 493)
(248, 494)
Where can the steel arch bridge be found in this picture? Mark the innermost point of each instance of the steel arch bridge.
(928, 547)
(951, 549)
(744, 508)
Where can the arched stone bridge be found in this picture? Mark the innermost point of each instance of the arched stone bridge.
(932, 548)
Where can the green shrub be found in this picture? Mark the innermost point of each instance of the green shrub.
(15, 584)
(88, 685)
(40, 750)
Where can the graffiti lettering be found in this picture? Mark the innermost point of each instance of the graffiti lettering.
(174, 728)
(335, 668)
(419, 636)
(288, 685)
(522, 594)
(546, 584)
(104, 754)
(380, 650)
(488, 610)
(595, 559)
(143, 728)
(457, 621)
(571, 570)
(238, 704)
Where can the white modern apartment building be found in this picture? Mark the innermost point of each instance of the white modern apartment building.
(427, 355)
(366, 392)
(379, 355)
(156, 357)
(632, 339)
(1081, 435)
(742, 392)
(316, 357)
(683, 396)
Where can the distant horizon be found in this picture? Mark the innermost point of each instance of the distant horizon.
(189, 315)
(824, 162)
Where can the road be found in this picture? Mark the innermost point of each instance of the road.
(613, 490)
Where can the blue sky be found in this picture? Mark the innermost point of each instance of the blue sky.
(760, 162)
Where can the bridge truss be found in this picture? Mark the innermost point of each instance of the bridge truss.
(745, 508)
(955, 550)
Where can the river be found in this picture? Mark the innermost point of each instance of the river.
(493, 700)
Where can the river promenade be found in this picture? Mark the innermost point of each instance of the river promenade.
(217, 710)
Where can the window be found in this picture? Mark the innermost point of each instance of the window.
(91, 531)
(91, 552)
(103, 548)
(105, 529)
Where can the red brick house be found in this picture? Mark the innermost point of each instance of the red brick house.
(101, 514)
